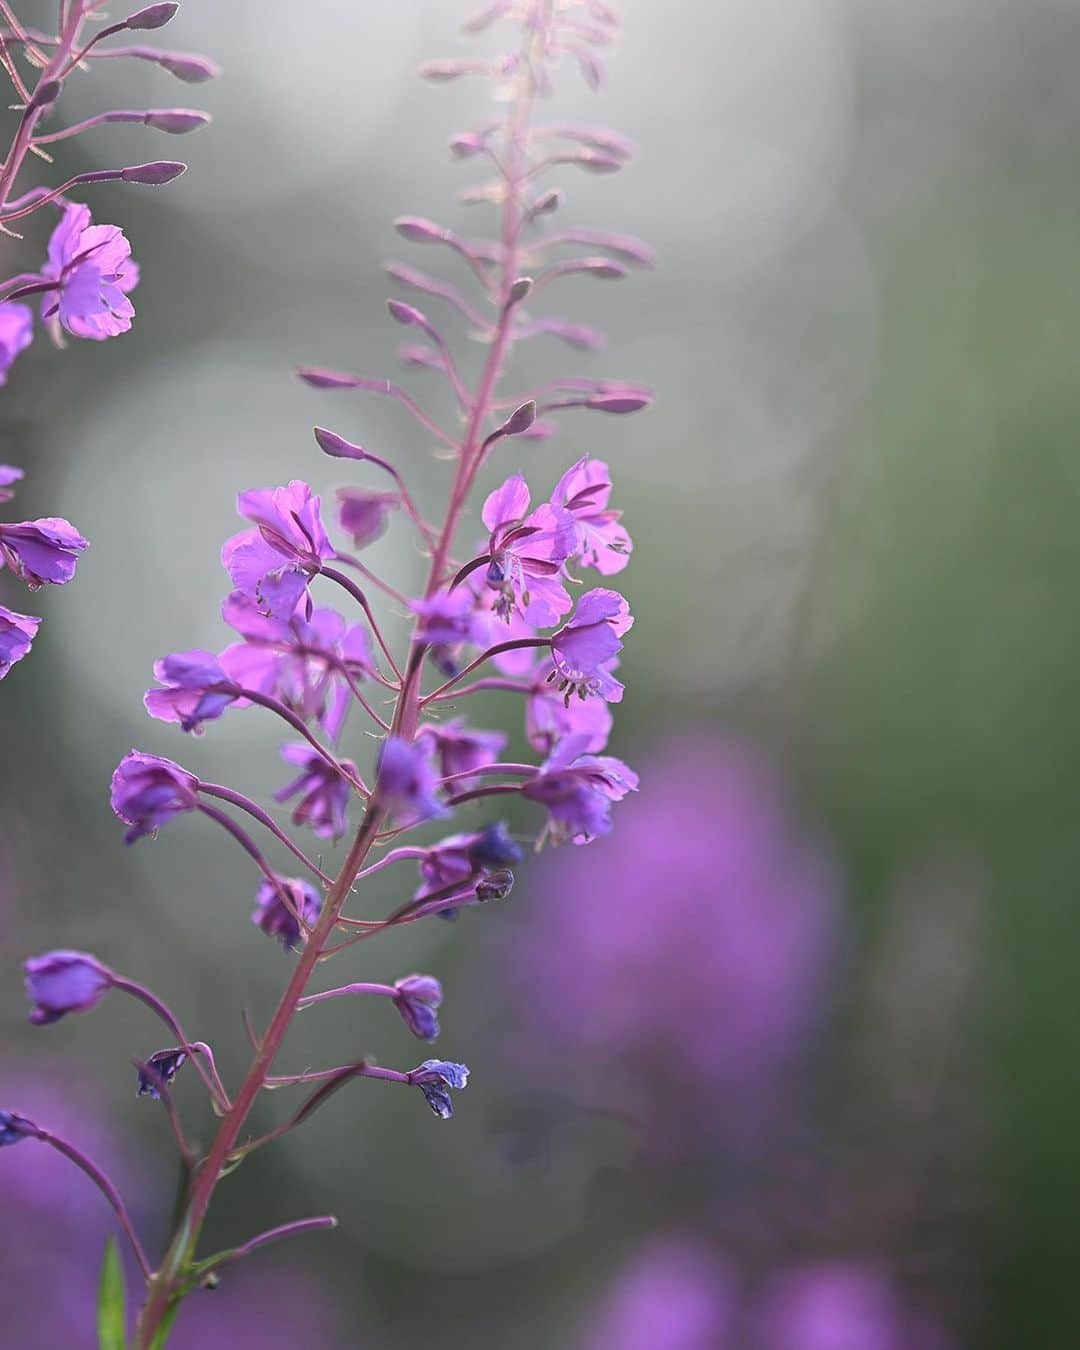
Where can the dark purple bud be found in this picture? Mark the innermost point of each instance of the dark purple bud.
(176, 121)
(186, 66)
(153, 16)
(496, 885)
(494, 846)
(466, 144)
(63, 982)
(14, 1128)
(161, 1068)
(330, 443)
(520, 420)
(519, 290)
(604, 269)
(435, 1078)
(546, 203)
(418, 998)
(156, 173)
(619, 403)
(407, 315)
(45, 94)
(420, 231)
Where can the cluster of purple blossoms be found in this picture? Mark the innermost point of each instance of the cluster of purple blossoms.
(499, 615)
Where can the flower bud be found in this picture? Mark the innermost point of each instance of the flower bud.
(44, 94)
(619, 403)
(496, 885)
(330, 443)
(186, 66)
(418, 998)
(160, 1069)
(520, 420)
(420, 231)
(176, 121)
(156, 173)
(519, 290)
(153, 16)
(62, 982)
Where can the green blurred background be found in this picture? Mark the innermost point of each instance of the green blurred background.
(855, 507)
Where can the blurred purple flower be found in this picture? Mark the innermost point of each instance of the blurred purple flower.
(9, 476)
(458, 858)
(43, 551)
(674, 1295)
(64, 982)
(449, 618)
(193, 691)
(16, 334)
(17, 633)
(363, 514)
(276, 919)
(94, 270)
(407, 782)
(274, 562)
(578, 790)
(459, 748)
(324, 793)
(147, 791)
(550, 717)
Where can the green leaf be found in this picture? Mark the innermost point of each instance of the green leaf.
(162, 1333)
(112, 1308)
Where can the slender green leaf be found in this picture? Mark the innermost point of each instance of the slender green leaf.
(112, 1310)
(162, 1333)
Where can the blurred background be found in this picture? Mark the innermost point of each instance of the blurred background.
(788, 1062)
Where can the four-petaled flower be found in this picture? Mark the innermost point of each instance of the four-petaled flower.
(16, 334)
(417, 999)
(64, 982)
(274, 562)
(147, 791)
(17, 633)
(578, 790)
(584, 491)
(407, 784)
(196, 689)
(161, 1068)
(93, 271)
(324, 792)
(43, 551)
(585, 649)
(435, 1078)
(282, 920)
(526, 552)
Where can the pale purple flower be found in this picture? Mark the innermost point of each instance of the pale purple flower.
(459, 749)
(64, 982)
(417, 999)
(196, 689)
(274, 562)
(17, 633)
(148, 791)
(42, 552)
(276, 918)
(839, 1305)
(676, 1294)
(161, 1068)
(324, 793)
(550, 717)
(435, 1078)
(9, 475)
(93, 267)
(300, 660)
(602, 542)
(578, 790)
(450, 618)
(16, 334)
(459, 858)
(407, 783)
(585, 648)
(363, 514)
(526, 552)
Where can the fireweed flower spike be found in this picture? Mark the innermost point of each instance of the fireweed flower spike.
(497, 610)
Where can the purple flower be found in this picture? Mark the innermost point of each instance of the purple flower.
(147, 791)
(196, 689)
(363, 514)
(41, 551)
(14, 1128)
(674, 1295)
(17, 633)
(94, 270)
(64, 982)
(459, 749)
(551, 717)
(300, 660)
(407, 783)
(278, 919)
(435, 1078)
(458, 858)
(834, 1305)
(526, 554)
(578, 790)
(418, 998)
(16, 334)
(324, 793)
(584, 649)
(584, 491)
(274, 562)
(447, 619)
(9, 474)
(161, 1067)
